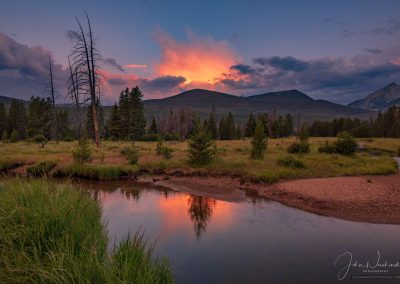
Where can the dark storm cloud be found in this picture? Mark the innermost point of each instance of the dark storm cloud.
(161, 83)
(243, 68)
(112, 62)
(373, 50)
(336, 79)
(26, 67)
(287, 63)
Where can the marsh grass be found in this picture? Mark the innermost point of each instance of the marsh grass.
(52, 233)
(96, 171)
(232, 159)
(6, 165)
(41, 169)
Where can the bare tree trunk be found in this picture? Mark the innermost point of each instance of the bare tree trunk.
(74, 92)
(93, 90)
(89, 62)
(53, 102)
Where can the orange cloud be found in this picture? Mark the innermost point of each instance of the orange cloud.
(199, 59)
(135, 66)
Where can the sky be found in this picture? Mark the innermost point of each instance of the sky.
(334, 50)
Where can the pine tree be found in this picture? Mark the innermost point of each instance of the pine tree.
(17, 119)
(212, 125)
(63, 125)
(230, 127)
(137, 121)
(3, 118)
(200, 147)
(288, 125)
(14, 137)
(124, 113)
(153, 127)
(250, 126)
(4, 136)
(266, 123)
(222, 129)
(259, 142)
(39, 119)
(239, 132)
(114, 123)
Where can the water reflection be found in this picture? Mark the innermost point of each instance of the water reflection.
(253, 241)
(200, 212)
(199, 208)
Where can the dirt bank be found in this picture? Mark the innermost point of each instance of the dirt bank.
(374, 199)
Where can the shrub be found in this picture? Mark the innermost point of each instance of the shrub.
(398, 152)
(302, 146)
(201, 150)
(294, 148)
(150, 137)
(4, 136)
(41, 169)
(39, 139)
(131, 154)
(160, 145)
(299, 147)
(172, 137)
(291, 162)
(82, 153)
(69, 138)
(326, 148)
(14, 137)
(345, 144)
(164, 151)
(259, 142)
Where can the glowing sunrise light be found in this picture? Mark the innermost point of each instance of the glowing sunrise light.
(198, 60)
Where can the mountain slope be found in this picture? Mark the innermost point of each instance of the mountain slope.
(381, 99)
(283, 102)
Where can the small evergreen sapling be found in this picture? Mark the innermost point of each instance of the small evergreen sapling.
(201, 147)
(82, 153)
(259, 142)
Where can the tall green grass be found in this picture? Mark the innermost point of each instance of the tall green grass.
(95, 171)
(52, 233)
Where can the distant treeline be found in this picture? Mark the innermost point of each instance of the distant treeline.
(386, 124)
(127, 122)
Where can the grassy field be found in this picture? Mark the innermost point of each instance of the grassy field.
(52, 233)
(233, 159)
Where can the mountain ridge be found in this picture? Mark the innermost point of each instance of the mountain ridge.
(202, 101)
(380, 99)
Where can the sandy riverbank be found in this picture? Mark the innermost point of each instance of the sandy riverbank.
(374, 199)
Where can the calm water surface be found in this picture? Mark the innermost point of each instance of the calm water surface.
(252, 241)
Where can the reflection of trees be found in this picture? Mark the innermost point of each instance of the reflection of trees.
(200, 211)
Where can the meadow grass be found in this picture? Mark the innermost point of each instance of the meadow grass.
(52, 233)
(233, 158)
(41, 169)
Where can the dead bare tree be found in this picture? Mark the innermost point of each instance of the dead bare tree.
(73, 95)
(53, 104)
(84, 71)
